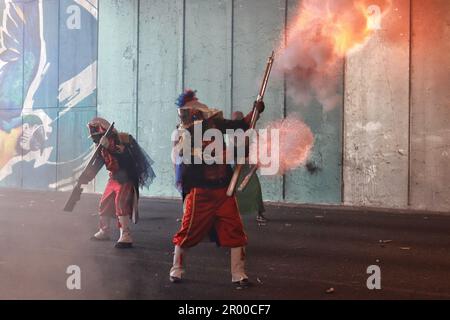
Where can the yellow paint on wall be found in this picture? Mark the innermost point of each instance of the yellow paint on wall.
(8, 143)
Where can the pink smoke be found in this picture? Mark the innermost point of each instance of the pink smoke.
(295, 143)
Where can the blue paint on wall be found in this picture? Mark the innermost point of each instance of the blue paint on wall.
(45, 61)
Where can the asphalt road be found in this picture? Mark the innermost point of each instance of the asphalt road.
(300, 254)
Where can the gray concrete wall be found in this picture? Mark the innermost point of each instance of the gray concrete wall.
(397, 133)
(117, 73)
(387, 146)
(160, 80)
(376, 120)
(430, 105)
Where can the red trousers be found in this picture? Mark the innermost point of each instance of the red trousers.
(118, 199)
(208, 208)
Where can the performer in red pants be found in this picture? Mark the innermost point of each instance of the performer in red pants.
(129, 169)
(206, 205)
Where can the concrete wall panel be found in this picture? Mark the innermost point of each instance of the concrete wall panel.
(118, 67)
(160, 82)
(258, 26)
(377, 116)
(430, 105)
(323, 184)
(208, 51)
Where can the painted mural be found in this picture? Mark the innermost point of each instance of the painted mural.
(48, 63)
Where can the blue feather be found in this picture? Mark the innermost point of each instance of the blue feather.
(185, 97)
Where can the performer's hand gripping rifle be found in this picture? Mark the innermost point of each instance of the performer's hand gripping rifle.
(255, 116)
(87, 175)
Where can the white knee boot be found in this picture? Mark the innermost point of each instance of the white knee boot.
(238, 275)
(103, 232)
(125, 240)
(177, 270)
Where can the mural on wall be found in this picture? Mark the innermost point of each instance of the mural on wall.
(48, 63)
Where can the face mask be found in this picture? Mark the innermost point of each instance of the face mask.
(188, 116)
(96, 138)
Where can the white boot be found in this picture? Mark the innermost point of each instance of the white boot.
(176, 272)
(125, 240)
(238, 275)
(103, 232)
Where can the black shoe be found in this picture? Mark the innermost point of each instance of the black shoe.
(175, 279)
(244, 283)
(123, 245)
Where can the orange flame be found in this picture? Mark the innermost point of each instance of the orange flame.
(320, 35)
(345, 23)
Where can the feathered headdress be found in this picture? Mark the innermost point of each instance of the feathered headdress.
(187, 96)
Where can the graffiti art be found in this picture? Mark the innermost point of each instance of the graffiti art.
(48, 71)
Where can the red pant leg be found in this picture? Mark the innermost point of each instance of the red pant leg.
(117, 200)
(124, 199)
(198, 218)
(229, 226)
(107, 202)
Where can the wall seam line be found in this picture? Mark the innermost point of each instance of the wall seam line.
(410, 101)
(232, 59)
(136, 116)
(183, 54)
(97, 75)
(344, 68)
(57, 99)
(286, 7)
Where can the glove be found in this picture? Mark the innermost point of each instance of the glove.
(104, 141)
(260, 106)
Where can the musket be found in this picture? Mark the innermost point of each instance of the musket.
(75, 196)
(255, 116)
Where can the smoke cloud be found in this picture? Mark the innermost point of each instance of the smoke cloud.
(318, 38)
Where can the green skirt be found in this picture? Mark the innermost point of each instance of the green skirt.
(250, 200)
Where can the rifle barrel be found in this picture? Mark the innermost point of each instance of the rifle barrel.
(255, 115)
